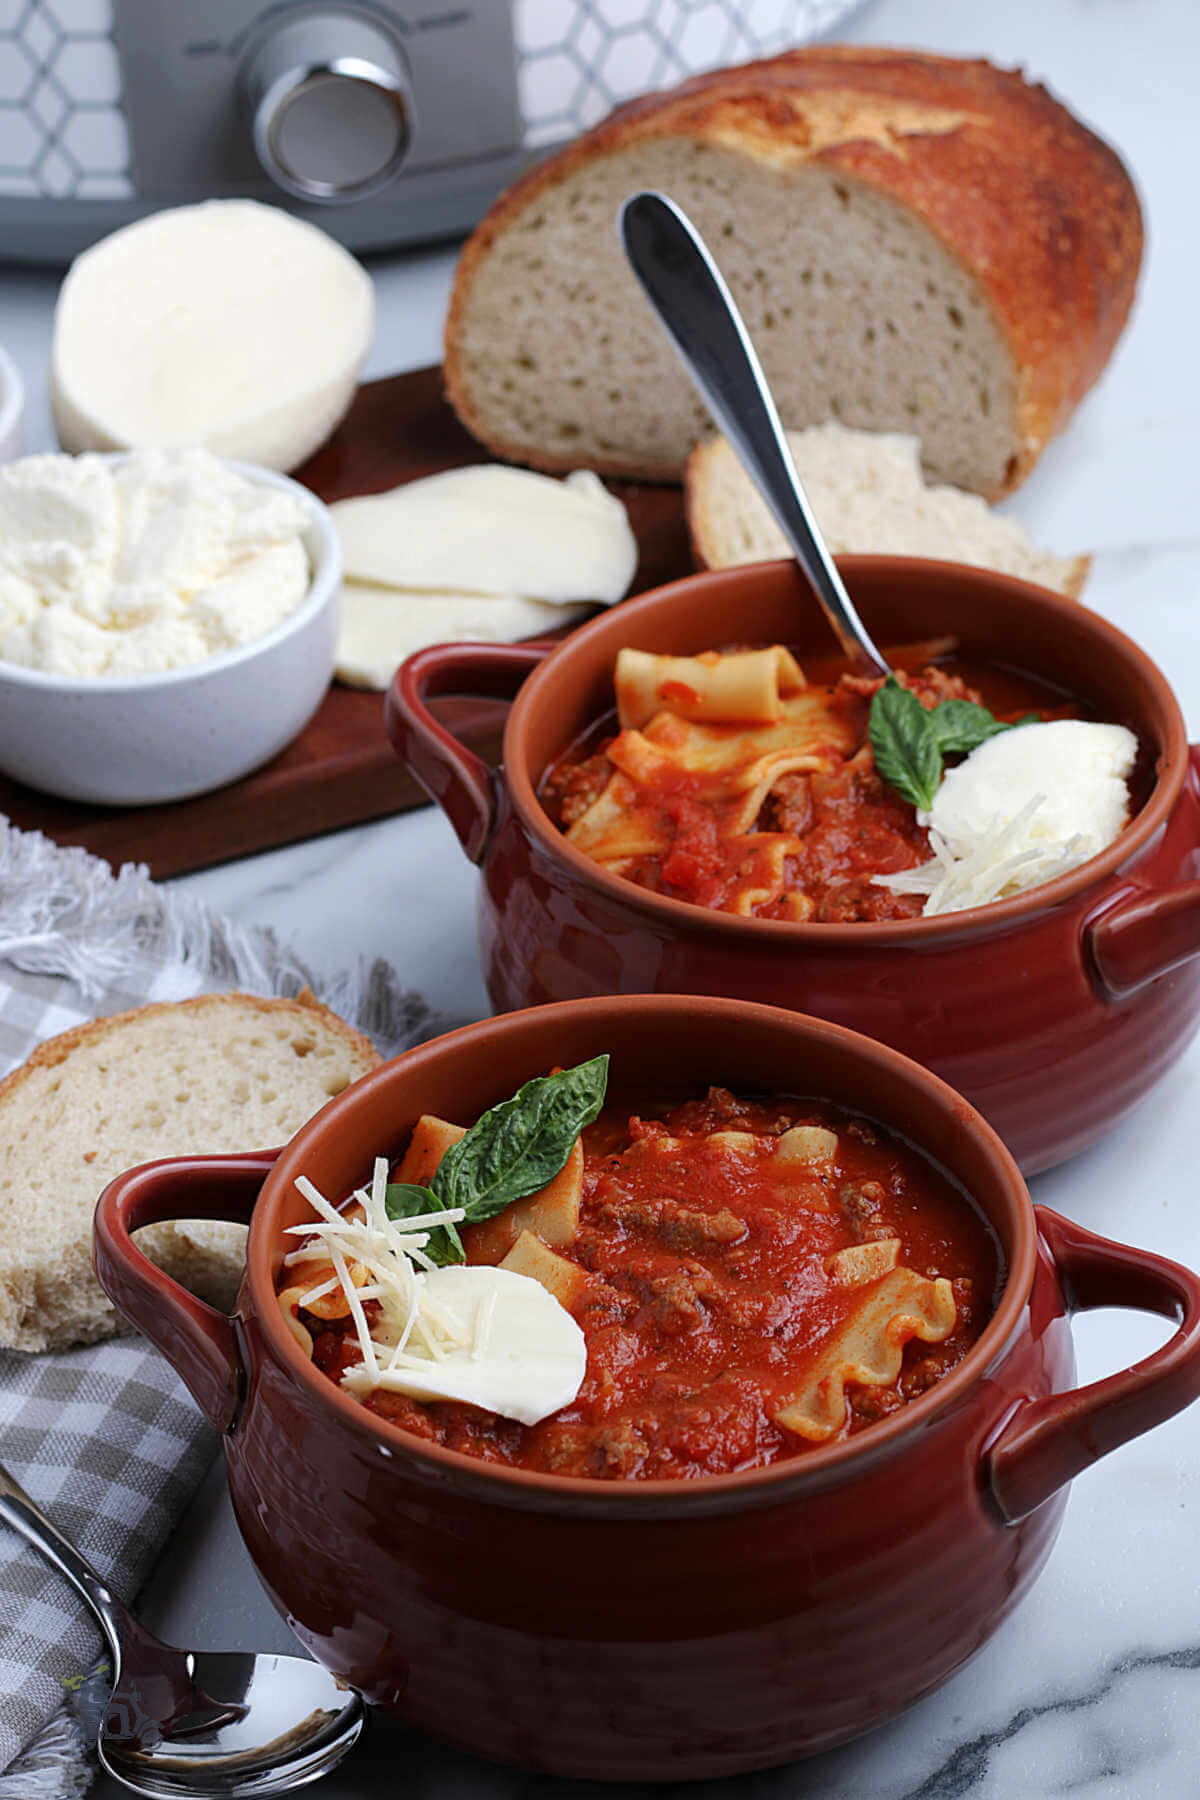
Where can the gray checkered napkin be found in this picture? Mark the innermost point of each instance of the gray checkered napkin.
(108, 1443)
(105, 1438)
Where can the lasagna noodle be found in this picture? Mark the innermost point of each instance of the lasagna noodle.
(431, 1139)
(806, 1144)
(746, 686)
(729, 768)
(619, 827)
(530, 1256)
(551, 1214)
(860, 1263)
(866, 1350)
(763, 873)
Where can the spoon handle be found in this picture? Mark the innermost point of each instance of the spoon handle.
(689, 294)
(20, 1512)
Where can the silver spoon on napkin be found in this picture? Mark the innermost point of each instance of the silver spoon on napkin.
(687, 290)
(198, 1724)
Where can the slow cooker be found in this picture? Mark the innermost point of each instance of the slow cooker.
(388, 124)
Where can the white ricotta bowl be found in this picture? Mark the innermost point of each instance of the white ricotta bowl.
(141, 740)
(12, 405)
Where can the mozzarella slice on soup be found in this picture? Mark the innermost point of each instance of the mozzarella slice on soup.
(523, 1356)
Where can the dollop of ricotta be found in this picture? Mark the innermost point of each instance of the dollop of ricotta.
(1077, 769)
(1026, 806)
(156, 562)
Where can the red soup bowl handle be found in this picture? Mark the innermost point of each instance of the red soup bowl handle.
(198, 1341)
(1047, 1442)
(1149, 932)
(460, 782)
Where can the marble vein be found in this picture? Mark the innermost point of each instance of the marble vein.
(960, 1775)
(1090, 1689)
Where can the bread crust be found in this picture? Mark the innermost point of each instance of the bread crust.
(33, 1282)
(1039, 210)
(701, 541)
(56, 1050)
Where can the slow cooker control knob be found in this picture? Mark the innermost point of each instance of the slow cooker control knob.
(329, 103)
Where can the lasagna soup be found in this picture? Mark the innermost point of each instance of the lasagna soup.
(742, 782)
(747, 1278)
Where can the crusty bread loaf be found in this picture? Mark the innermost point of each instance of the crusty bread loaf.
(918, 244)
(866, 490)
(222, 1072)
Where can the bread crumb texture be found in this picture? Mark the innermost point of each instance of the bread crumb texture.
(918, 244)
(219, 1073)
(869, 499)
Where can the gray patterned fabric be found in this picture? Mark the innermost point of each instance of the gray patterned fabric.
(110, 1446)
(105, 1438)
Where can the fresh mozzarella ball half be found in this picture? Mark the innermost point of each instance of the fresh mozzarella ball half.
(228, 325)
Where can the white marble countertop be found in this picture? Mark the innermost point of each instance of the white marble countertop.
(1093, 1688)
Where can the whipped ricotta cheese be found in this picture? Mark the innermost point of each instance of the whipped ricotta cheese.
(1024, 807)
(1075, 770)
(156, 562)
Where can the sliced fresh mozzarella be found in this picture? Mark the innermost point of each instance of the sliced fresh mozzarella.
(492, 530)
(522, 1355)
(381, 626)
(229, 325)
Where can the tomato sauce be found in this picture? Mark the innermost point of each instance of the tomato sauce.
(708, 1296)
(851, 826)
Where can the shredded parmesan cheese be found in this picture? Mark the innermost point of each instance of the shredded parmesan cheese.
(975, 871)
(387, 1250)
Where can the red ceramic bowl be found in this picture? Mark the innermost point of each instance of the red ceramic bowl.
(652, 1630)
(1054, 1012)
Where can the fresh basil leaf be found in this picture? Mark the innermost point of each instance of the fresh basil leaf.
(407, 1200)
(960, 726)
(910, 740)
(521, 1144)
(905, 743)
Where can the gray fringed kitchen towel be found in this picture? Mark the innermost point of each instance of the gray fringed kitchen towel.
(105, 1438)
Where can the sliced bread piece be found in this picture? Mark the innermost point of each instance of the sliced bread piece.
(868, 495)
(219, 1073)
(917, 243)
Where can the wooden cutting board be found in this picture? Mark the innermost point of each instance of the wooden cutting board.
(341, 770)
